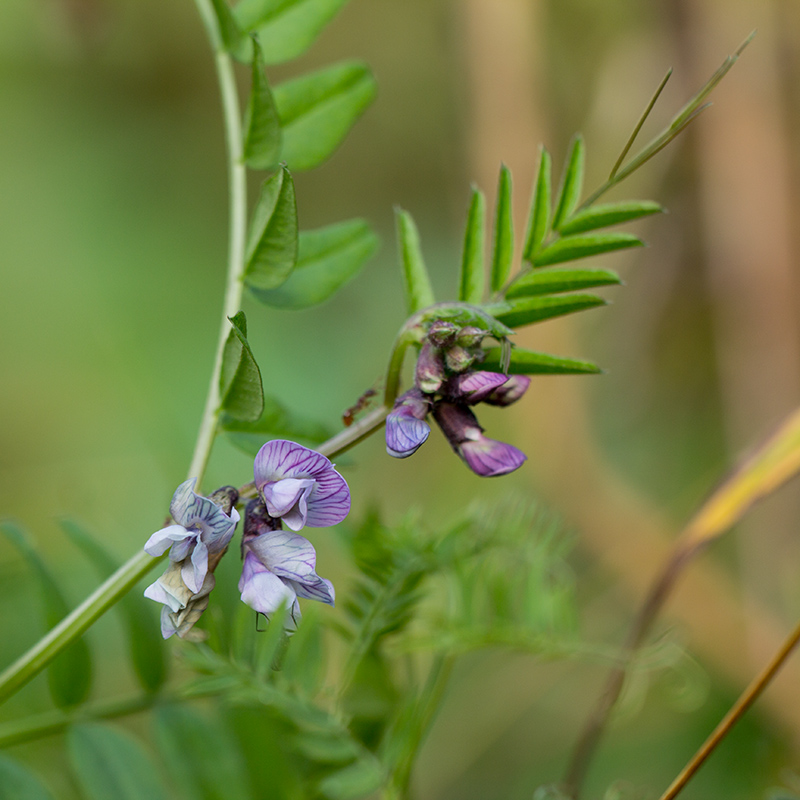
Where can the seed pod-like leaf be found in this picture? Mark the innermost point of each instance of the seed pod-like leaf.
(503, 250)
(526, 310)
(582, 245)
(551, 281)
(416, 283)
(472, 270)
(601, 216)
(240, 386)
(317, 110)
(262, 129)
(272, 245)
(539, 219)
(528, 362)
(571, 187)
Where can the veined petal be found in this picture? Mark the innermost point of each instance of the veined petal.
(317, 589)
(288, 498)
(161, 540)
(329, 501)
(287, 554)
(488, 458)
(405, 434)
(281, 458)
(473, 387)
(261, 589)
(509, 392)
(194, 511)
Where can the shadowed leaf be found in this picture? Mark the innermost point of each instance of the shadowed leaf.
(19, 783)
(416, 283)
(528, 362)
(262, 129)
(539, 219)
(240, 380)
(503, 250)
(571, 183)
(234, 39)
(472, 269)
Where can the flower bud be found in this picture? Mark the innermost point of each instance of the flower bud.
(470, 336)
(473, 387)
(430, 372)
(442, 333)
(458, 359)
(509, 392)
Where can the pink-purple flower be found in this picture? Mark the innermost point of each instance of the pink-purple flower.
(300, 486)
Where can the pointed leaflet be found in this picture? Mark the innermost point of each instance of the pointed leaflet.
(527, 310)
(601, 216)
(571, 183)
(472, 273)
(503, 251)
(287, 28)
(234, 39)
(317, 110)
(327, 258)
(528, 362)
(416, 283)
(539, 219)
(359, 779)
(144, 640)
(582, 245)
(262, 130)
(240, 379)
(272, 245)
(69, 676)
(550, 281)
(18, 783)
(109, 763)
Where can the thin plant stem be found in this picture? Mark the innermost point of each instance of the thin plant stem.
(747, 698)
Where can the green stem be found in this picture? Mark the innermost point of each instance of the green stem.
(116, 586)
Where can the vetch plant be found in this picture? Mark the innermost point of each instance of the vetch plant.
(349, 720)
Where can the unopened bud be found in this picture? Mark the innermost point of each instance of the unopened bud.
(470, 336)
(430, 372)
(442, 333)
(458, 359)
(510, 391)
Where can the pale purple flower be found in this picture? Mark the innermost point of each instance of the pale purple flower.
(300, 485)
(406, 429)
(201, 528)
(279, 567)
(485, 457)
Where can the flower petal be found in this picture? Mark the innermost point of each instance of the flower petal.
(329, 501)
(161, 540)
(281, 458)
(473, 387)
(405, 434)
(262, 590)
(194, 570)
(318, 589)
(287, 554)
(488, 458)
(194, 511)
(288, 498)
(509, 392)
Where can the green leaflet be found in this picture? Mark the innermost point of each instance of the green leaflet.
(539, 218)
(109, 763)
(526, 310)
(275, 422)
(582, 245)
(200, 755)
(528, 362)
(141, 622)
(272, 244)
(416, 283)
(601, 216)
(317, 110)
(262, 129)
(287, 28)
(550, 281)
(240, 379)
(503, 250)
(472, 270)
(327, 259)
(359, 779)
(69, 676)
(234, 39)
(571, 187)
(19, 783)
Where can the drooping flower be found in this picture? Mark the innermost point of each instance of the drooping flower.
(485, 457)
(279, 566)
(204, 527)
(406, 429)
(300, 486)
(509, 392)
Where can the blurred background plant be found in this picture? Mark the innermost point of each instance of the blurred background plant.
(113, 241)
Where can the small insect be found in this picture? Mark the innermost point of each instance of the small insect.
(348, 416)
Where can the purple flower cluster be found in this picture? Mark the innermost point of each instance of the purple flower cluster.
(297, 486)
(446, 386)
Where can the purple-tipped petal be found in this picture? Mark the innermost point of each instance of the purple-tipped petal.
(473, 387)
(320, 589)
(509, 392)
(261, 589)
(405, 434)
(488, 458)
(281, 458)
(161, 540)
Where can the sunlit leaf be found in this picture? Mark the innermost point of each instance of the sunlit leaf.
(472, 270)
(525, 310)
(582, 245)
(272, 245)
(275, 422)
(317, 110)
(19, 783)
(262, 129)
(571, 187)
(357, 780)
(503, 250)
(200, 755)
(551, 281)
(416, 283)
(528, 362)
(539, 219)
(327, 259)
(601, 216)
(141, 622)
(241, 391)
(234, 39)
(69, 676)
(287, 28)
(109, 763)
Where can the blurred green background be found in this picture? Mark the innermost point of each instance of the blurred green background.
(112, 250)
